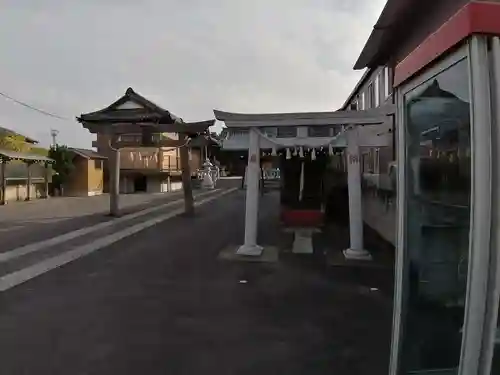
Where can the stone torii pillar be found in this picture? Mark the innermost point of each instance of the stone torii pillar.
(114, 178)
(250, 246)
(356, 249)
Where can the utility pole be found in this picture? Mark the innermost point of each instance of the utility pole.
(53, 134)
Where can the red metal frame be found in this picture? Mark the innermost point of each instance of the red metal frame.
(474, 18)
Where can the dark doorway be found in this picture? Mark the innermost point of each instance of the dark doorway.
(140, 183)
(312, 197)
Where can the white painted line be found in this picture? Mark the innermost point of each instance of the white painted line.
(13, 279)
(36, 246)
(8, 229)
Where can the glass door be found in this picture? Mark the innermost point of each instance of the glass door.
(492, 333)
(444, 216)
(438, 202)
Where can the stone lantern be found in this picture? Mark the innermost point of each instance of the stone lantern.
(209, 175)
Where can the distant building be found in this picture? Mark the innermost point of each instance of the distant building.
(379, 209)
(87, 177)
(145, 166)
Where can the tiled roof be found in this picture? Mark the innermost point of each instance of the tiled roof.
(7, 131)
(87, 154)
(148, 111)
(24, 156)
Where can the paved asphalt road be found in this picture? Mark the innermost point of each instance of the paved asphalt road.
(38, 220)
(160, 302)
(26, 222)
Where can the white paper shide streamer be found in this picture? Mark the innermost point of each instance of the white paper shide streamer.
(301, 186)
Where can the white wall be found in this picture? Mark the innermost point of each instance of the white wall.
(380, 215)
(20, 192)
(154, 185)
(177, 185)
(126, 185)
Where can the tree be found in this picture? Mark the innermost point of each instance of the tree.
(63, 165)
(13, 142)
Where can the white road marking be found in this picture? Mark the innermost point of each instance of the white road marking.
(14, 227)
(40, 245)
(18, 277)
(45, 220)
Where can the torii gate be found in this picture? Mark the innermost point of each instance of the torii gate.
(131, 114)
(361, 128)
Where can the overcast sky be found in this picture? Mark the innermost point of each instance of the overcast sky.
(188, 56)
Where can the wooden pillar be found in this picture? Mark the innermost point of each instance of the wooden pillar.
(3, 164)
(28, 190)
(46, 181)
(114, 174)
(186, 179)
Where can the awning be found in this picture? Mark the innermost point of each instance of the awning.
(13, 155)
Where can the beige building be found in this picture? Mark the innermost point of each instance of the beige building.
(87, 177)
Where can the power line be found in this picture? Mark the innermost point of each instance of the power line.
(26, 105)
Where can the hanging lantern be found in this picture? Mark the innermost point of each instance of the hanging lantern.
(330, 149)
(274, 152)
(313, 154)
(295, 151)
(288, 154)
(301, 152)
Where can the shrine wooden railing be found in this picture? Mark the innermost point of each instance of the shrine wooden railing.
(150, 158)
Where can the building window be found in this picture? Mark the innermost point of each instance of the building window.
(319, 131)
(362, 103)
(336, 129)
(286, 132)
(370, 96)
(130, 138)
(387, 80)
(238, 132)
(98, 164)
(353, 106)
(376, 86)
(270, 132)
(157, 137)
(147, 138)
